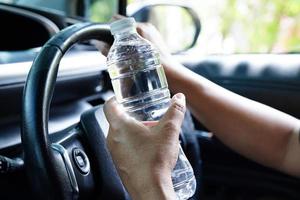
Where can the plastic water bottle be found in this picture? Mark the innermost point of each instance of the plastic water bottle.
(140, 86)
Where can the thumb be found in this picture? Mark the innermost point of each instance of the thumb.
(173, 118)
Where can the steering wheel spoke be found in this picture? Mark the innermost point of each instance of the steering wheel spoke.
(62, 153)
(69, 149)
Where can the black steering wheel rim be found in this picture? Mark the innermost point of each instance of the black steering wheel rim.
(48, 181)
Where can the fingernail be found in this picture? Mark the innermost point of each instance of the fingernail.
(179, 97)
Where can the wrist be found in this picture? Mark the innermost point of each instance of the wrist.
(155, 186)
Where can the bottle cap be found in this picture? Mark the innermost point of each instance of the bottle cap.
(122, 25)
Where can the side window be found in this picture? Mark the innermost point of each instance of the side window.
(238, 26)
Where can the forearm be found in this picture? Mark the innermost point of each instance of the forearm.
(253, 129)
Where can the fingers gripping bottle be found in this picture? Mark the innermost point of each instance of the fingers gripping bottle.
(141, 87)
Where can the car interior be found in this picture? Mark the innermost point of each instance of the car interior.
(54, 82)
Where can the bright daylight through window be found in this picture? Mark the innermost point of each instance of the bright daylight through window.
(246, 26)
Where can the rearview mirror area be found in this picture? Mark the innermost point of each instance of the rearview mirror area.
(178, 24)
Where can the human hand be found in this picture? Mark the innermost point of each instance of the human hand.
(145, 153)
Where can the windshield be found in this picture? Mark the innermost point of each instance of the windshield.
(94, 10)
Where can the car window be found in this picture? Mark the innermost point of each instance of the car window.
(246, 26)
(94, 10)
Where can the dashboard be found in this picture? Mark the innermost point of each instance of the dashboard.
(23, 29)
(82, 79)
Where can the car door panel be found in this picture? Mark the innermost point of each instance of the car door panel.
(270, 79)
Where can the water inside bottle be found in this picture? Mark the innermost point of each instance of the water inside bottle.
(143, 93)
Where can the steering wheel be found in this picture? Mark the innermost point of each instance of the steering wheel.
(75, 164)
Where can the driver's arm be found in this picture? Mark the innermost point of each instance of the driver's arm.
(257, 131)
